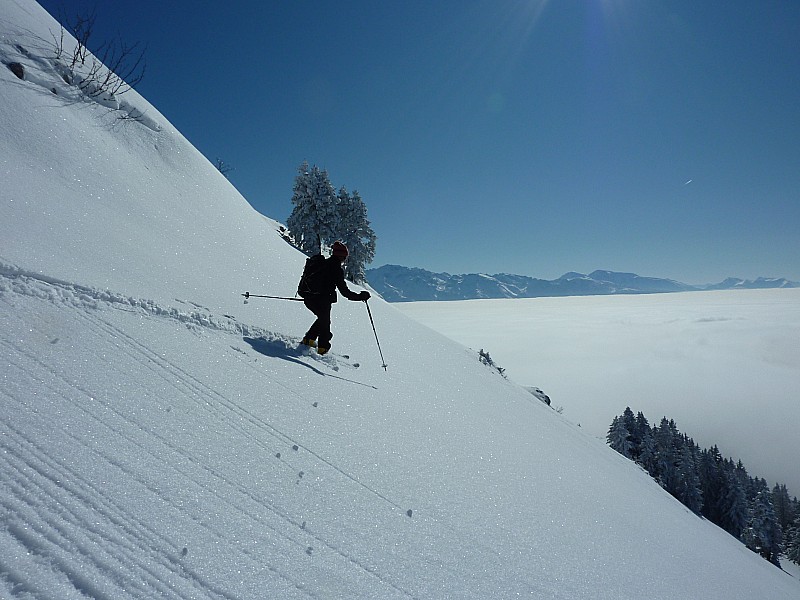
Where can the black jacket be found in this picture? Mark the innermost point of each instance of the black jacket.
(333, 278)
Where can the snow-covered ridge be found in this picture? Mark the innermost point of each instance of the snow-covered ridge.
(16, 280)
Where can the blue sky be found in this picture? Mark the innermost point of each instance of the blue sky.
(533, 137)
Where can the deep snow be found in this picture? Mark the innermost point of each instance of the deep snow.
(160, 438)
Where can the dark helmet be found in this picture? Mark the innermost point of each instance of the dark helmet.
(339, 250)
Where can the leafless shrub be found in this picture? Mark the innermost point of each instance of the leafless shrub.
(119, 69)
(81, 28)
(114, 68)
(223, 167)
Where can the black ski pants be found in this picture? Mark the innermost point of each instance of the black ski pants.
(321, 328)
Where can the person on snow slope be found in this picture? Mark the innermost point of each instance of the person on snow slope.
(321, 278)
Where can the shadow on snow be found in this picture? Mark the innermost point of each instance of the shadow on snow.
(282, 350)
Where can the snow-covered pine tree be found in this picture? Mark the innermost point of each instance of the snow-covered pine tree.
(629, 420)
(313, 218)
(688, 479)
(619, 438)
(320, 217)
(792, 541)
(784, 508)
(353, 228)
(762, 533)
(647, 456)
(712, 479)
(733, 504)
(665, 437)
(719, 489)
(327, 207)
(641, 430)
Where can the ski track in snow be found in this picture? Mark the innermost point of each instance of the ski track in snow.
(61, 486)
(47, 484)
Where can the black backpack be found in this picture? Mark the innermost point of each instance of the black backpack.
(312, 283)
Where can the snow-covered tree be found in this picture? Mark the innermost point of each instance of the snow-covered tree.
(313, 220)
(784, 508)
(640, 431)
(629, 420)
(688, 491)
(353, 228)
(762, 533)
(667, 473)
(733, 508)
(713, 483)
(320, 217)
(792, 541)
(647, 454)
(719, 489)
(619, 438)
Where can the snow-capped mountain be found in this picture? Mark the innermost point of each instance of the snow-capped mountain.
(404, 284)
(161, 438)
(761, 283)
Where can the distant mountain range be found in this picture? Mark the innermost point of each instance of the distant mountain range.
(406, 284)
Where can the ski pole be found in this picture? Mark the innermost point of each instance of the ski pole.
(369, 312)
(248, 295)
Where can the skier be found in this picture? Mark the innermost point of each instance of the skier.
(321, 277)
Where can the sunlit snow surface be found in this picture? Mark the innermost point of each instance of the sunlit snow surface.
(152, 450)
(160, 438)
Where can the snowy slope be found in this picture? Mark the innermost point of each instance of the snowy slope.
(82, 179)
(160, 438)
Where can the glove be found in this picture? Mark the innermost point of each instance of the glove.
(364, 296)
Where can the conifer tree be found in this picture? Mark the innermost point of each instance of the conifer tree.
(733, 505)
(762, 533)
(688, 491)
(353, 228)
(784, 509)
(320, 217)
(633, 438)
(618, 437)
(712, 478)
(641, 430)
(719, 489)
(667, 474)
(792, 541)
(313, 218)
(648, 456)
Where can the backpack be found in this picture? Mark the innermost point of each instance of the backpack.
(312, 282)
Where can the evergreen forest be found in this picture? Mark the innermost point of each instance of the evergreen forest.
(719, 489)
